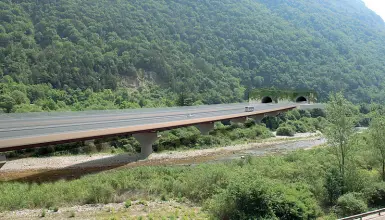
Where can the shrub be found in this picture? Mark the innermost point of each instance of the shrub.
(364, 122)
(45, 150)
(293, 115)
(43, 213)
(100, 193)
(311, 124)
(249, 123)
(205, 182)
(316, 112)
(240, 133)
(271, 122)
(350, 204)
(260, 199)
(304, 113)
(127, 204)
(208, 140)
(89, 148)
(333, 185)
(300, 127)
(376, 195)
(285, 131)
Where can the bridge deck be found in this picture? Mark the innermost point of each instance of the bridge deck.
(19, 131)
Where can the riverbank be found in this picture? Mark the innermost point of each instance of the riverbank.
(146, 203)
(72, 167)
(137, 209)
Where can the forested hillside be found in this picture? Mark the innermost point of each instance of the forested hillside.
(213, 51)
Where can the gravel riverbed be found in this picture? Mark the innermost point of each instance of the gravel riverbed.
(38, 166)
(100, 160)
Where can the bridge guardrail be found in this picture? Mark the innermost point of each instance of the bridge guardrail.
(360, 216)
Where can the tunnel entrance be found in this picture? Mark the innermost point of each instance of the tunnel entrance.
(267, 99)
(301, 99)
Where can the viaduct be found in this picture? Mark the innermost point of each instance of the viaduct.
(30, 130)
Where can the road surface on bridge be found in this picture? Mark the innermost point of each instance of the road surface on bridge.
(25, 130)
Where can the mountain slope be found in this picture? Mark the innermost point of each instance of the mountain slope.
(212, 50)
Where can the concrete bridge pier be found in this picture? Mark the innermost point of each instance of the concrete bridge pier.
(238, 120)
(272, 114)
(257, 118)
(146, 140)
(205, 128)
(3, 160)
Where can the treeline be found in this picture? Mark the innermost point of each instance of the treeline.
(19, 98)
(215, 50)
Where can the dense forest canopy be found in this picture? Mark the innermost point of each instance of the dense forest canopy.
(214, 51)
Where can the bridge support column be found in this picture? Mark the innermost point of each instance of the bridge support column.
(238, 120)
(205, 128)
(257, 118)
(3, 160)
(146, 140)
(272, 114)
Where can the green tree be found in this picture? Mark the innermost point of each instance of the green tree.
(19, 97)
(7, 103)
(377, 141)
(341, 117)
(184, 100)
(333, 185)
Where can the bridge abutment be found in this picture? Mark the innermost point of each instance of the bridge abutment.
(146, 141)
(205, 128)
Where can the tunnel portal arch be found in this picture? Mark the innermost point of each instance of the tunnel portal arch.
(267, 99)
(301, 99)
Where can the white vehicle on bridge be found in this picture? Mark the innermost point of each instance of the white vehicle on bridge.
(249, 108)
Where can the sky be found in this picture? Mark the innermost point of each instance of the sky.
(377, 6)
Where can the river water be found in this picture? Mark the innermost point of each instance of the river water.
(277, 148)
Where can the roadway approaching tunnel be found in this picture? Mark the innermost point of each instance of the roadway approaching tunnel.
(29, 130)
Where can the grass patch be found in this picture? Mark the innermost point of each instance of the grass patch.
(291, 185)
